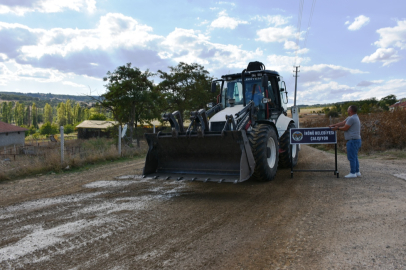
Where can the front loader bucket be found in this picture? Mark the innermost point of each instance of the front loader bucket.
(218, 157)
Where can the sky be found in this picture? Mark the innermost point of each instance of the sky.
(346, 50)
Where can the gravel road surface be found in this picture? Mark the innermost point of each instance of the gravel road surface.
(104, 218)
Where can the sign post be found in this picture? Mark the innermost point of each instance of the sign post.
(313, 136)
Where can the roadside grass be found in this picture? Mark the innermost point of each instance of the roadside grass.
(78, 154)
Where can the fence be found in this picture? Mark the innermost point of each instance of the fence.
(54, 156)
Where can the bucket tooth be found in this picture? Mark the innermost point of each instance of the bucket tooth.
(207, 179)
(156, 176)
(167, 178)
(221, 180)
(193, 179)
(180, 178)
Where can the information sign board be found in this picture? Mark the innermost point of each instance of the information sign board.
(313, 136)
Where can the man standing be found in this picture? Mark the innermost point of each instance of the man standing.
(352, 133)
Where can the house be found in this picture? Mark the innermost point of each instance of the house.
(94, 128)
(11, 135)
(398, 106)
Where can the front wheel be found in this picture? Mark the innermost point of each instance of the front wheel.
(286, 159)
(265, 148)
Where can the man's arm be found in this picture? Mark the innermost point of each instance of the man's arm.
(341, 124)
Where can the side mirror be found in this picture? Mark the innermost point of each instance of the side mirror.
(264, 81)
(284, 86)
(213, 87)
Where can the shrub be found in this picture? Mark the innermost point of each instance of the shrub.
(68, 129)
(47, 129)
(32, 130)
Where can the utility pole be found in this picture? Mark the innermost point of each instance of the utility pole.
(295, 110)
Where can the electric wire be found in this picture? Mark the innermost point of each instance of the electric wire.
(309, 24)
(299, 25)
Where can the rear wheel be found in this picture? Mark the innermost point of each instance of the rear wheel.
(285, 160)
(265, 148)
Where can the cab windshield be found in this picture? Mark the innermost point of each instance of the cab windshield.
(253, 91)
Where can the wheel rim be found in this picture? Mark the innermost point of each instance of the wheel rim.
(294, 148)
(272, 159)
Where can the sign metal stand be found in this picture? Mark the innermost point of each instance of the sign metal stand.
(313, 136)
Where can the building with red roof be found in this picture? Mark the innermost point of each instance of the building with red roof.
(398, 106)
(11, 135)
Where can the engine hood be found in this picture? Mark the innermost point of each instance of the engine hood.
(221, 115)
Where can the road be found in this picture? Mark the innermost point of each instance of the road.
(104, 218)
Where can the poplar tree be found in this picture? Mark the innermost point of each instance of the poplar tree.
(48, 115)
(61, 114)
(34, 115)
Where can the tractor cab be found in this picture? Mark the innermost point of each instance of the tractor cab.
(265, 87)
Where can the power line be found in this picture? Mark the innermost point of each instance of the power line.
(299, 24)
(309, 23)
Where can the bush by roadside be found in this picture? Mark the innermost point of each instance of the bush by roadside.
(379, 131)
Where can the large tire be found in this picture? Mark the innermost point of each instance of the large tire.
(285, 160)
(262, 137)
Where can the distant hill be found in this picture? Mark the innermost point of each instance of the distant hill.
(41, 99)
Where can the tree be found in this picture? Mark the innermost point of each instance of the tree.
(48, 115)
(5, 112)
(61, 114)
(97, 116)
(385, 102)
(47, 129)
(34, 115)
(28, 116)
(186, 87)
(69, 113)
(131, 96)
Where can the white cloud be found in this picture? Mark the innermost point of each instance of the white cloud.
(275, 34)
(275, 20)
(187, 45)
(359, 22)
(224, 21)
(326, 72)
(393, 36)
(73, 84)
(46, 6)
(386, 56)
(319, 92)
(392, 87)
(283, 62)
(114, 30)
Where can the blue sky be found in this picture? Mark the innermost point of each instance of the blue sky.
(353, 50)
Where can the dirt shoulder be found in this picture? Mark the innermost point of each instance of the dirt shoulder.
(313, 221)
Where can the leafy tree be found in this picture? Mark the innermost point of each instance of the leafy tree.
(48, 129)
(97, 116)
(5, 112)
(27, 118)
(67, 129)
(34, 113)
(385, 102)
(68, 111)
(10, 110)
(48, 114)
(61, 114)
(186, 87)
(32, 129)
(131, 96)
(19, 113)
